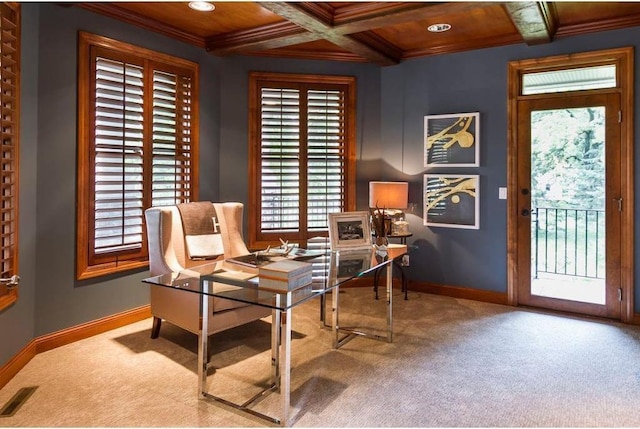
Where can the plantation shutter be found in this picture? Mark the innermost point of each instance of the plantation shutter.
(302, 167)
(280, 197)
(119, 147)
(120, 136)
(9, 86)
(137, 112)
(326, 156)
(172, 161)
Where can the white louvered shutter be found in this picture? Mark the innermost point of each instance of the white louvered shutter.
(325, 156)
(119, 128)
(280, 159)
(172, 161)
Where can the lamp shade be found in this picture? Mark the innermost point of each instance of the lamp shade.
(389, 195)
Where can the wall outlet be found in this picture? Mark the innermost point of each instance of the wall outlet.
(405, 260)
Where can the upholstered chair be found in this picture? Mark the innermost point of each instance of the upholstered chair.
(169, 252)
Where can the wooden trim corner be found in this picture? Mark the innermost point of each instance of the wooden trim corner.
(68, 336)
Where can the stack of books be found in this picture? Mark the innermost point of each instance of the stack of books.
(285, 275)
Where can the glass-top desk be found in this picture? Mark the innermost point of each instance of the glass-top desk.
(228, 280)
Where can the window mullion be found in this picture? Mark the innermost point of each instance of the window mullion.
(147, 142)
(304, 159)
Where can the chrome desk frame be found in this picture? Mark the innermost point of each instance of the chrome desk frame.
(351, 333)
(280, 337)
(280, 358)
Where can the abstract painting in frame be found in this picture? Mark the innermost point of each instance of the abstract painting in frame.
(452, 140)
(452, 200)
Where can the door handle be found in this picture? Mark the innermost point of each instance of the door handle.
(11, 282)
(525, 212)
(619, 201)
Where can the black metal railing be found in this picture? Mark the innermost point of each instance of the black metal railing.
(568, 241)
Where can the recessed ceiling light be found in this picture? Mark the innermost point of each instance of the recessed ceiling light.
(439, 28)
(202, 6)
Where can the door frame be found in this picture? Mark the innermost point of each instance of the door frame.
(623, 59)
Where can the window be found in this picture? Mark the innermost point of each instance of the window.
(137, 148)
(302, 155)
(9, 109)
(570, 79)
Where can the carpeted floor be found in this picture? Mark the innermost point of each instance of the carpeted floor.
(453, 363)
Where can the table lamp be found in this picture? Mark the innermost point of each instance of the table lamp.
(388, 199)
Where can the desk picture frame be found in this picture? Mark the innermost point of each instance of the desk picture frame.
(349, 230)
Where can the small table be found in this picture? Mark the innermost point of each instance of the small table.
(399, 264)
(402, 237)
(215, 279)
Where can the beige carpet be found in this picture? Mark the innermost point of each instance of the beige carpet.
(453, 363)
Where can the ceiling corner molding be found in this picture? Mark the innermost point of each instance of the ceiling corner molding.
(113, 11)
(450, 49)
(320, 10)
(266, 37)
(378, 43)
(310, 55)
(605, 25)
(366, 10)
(357, 17)
(536, 22)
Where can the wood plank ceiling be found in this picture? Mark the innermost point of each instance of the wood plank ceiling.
(383, 33)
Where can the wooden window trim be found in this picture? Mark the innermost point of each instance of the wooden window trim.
(10, 296)
(284, 80)
(85, 268)
(623, 58)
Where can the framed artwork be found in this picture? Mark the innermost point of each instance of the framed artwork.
(452, 140)
(452, 200)
(349, 230)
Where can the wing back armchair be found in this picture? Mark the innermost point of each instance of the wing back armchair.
(168, 252)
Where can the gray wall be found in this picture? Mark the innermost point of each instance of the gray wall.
(392, 102)
(467, 82)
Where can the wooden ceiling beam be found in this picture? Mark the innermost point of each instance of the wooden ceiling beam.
(536, 21)
(357, 17)
(303, 15)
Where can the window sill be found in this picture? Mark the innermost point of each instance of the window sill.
(8, 299)
(109, 268)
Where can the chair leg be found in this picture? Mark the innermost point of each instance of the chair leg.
(155, 329)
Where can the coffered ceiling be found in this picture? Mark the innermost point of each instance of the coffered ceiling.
(383, 33)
